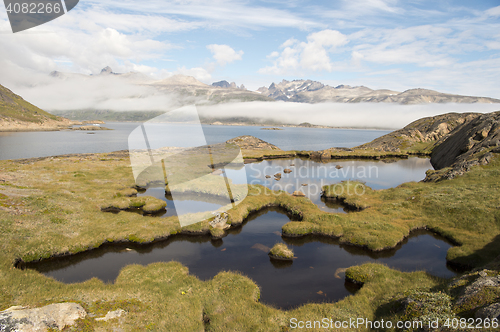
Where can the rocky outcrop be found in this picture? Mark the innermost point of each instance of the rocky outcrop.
(91, 128)
(456, 142)
(470, 144)
(248, 142)
(491, 312)
(220, 221)
(53, 316)
(425, 130)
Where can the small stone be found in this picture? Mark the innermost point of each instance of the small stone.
(287, 170)
(112, 315)
(298, 193)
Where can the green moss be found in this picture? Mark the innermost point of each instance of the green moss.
(427, 307)
(483, 298)
(281, 251)
(217, 232)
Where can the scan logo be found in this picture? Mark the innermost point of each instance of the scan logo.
(26, 14)
(204, 179)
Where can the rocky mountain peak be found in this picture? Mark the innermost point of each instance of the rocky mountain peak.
(221, 84)
(107, 70)
(225, 84)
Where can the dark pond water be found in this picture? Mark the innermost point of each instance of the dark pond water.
(42, 144)
(316, 275)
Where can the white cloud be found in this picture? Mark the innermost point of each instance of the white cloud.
(365, 115)
(364, 6)
(313, 55)
(427, 46)
(494, 12)
(201, 74)
(216, 14)
(224, 54)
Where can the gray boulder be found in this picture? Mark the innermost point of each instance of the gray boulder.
(492, 311)
(55, 316)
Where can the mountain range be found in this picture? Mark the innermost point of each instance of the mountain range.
(301, 91)
(307, 91)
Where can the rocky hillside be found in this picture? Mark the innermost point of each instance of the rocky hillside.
(471, 143)
(16, 114)
(307, 91)
(455, 142)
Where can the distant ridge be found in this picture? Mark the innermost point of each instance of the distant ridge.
(190, 90)
(308, 91)
(227, 85)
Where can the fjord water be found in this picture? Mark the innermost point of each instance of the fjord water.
(316, 275)
(17, 145)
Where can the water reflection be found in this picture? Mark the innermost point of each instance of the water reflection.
(310, 176)
(315, 276)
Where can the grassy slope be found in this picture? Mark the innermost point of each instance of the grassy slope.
(14, 107)
(53, 206)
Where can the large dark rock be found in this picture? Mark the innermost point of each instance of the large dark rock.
(468, 139)
(430, 129)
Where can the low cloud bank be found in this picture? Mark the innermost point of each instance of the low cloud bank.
(362, 115)
(132, 93)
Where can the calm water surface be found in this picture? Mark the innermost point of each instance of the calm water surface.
(51, 143)
(316, 275)
(310, 176)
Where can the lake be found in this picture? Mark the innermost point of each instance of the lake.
(17, 145)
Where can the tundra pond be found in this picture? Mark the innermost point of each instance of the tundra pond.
(317, 273)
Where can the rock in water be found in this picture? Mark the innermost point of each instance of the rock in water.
(58, 315)
(252, 143)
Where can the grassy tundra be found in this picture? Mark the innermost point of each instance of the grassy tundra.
(52, 206)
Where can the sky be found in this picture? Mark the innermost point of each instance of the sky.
(449, 46)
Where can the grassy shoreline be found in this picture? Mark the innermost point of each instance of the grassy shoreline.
(52, 205)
